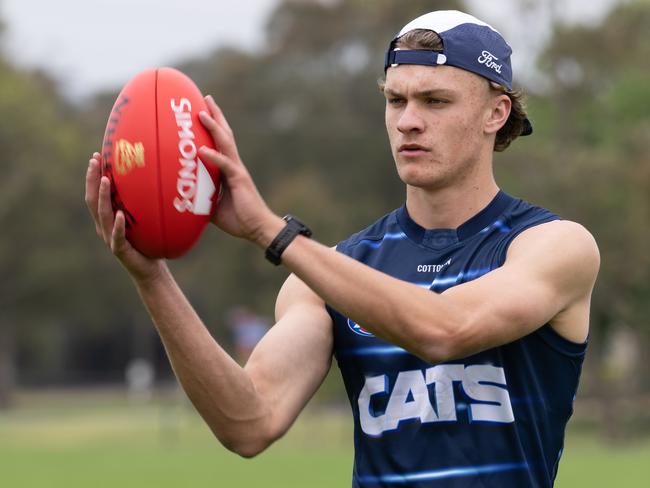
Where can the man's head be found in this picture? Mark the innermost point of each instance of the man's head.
(449, 89)
(517, 124)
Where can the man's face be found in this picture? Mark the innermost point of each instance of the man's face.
(436, 119)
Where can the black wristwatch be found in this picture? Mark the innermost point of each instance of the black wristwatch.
(293, 228)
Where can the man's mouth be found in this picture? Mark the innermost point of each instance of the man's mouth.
(412, 149)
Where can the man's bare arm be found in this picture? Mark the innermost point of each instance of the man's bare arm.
(246, 408)
(549, 271)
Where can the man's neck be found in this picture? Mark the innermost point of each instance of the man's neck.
(448, 208)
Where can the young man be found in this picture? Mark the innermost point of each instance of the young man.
(459, 321)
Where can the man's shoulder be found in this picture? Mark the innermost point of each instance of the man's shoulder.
(523, 213)
(568, 244)
(558, 234)
(374, 232)
(519, 217)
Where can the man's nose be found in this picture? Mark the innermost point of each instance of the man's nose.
(410, 119)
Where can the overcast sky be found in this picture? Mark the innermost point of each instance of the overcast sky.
(89, 45)
(92, 44)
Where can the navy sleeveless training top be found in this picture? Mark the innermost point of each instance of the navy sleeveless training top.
(494, 419)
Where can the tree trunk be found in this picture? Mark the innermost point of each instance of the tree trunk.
(620, 380)
(7, 367)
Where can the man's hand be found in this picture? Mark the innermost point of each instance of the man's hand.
(111, 227)
(241, 212)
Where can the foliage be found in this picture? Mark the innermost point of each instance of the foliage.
(309, 123)
(593, 152)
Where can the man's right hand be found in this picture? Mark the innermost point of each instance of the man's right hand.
(112, 227)
(246, 408)
(241, 212)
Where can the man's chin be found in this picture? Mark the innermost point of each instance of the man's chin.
(417, 178)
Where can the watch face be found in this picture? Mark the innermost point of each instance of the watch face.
(298, 225)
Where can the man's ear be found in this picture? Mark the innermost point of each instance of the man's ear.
(500, 107)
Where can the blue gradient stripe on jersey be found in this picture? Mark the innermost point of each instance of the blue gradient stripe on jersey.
(441, 283)
(439, 474)
(372, 351)
(498, 224)
(390, 236)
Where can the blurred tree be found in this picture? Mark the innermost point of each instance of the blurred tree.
(34, 143)
(591, 163)
(48, 270)
(309, 123)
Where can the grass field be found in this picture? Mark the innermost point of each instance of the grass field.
(102, 441)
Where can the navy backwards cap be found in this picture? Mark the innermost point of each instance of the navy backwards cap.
(468, 43)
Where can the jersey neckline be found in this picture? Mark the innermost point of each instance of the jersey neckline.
(439, 239)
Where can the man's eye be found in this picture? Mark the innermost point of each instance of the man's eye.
(395, 101)
(436, 101)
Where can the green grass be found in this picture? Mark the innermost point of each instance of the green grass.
(103, 441)
(588, 462)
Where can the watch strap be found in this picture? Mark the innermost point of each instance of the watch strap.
(291, 230)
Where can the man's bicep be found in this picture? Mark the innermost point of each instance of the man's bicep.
(293, 358)
(549, 269)
(500, 307)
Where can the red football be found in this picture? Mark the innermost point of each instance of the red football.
(150, 154)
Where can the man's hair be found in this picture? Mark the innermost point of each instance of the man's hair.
(427, 39)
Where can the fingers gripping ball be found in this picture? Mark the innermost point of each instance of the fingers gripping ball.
(150, 154)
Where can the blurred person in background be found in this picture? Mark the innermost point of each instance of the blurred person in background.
(247, 330)
(459, 321)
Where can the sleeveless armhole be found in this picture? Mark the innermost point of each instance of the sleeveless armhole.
(550, 337)
(560, 344)
(505, 244)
